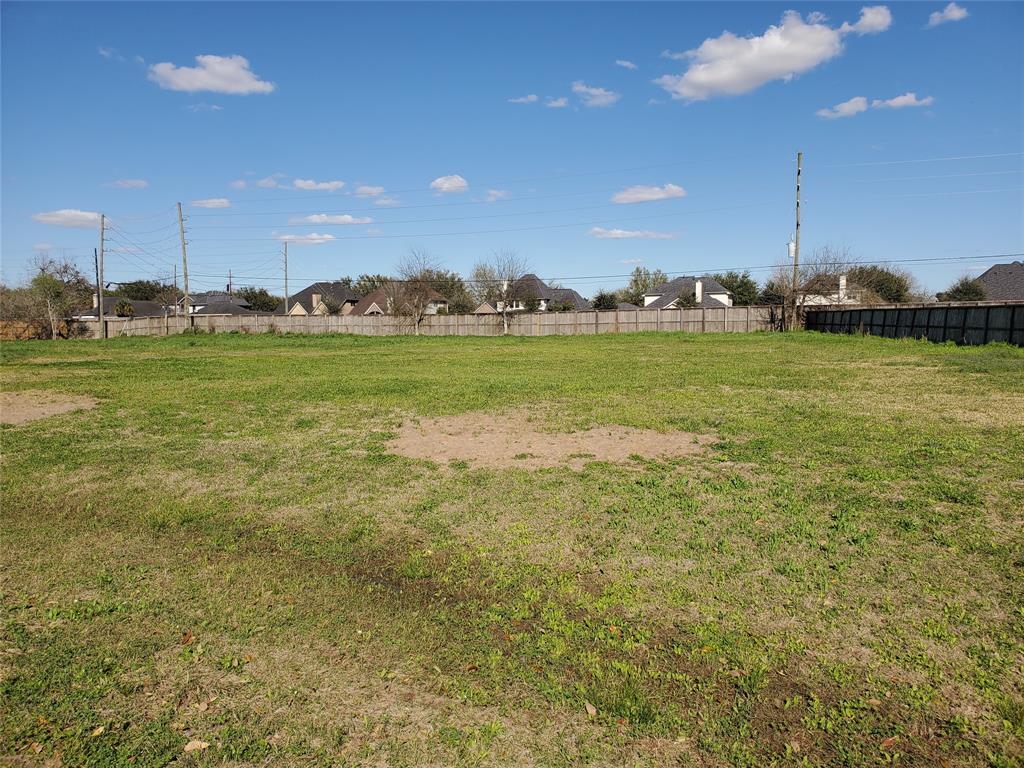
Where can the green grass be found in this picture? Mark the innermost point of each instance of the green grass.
(224, 550)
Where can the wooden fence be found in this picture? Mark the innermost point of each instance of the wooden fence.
(963, 323)
(717, 320)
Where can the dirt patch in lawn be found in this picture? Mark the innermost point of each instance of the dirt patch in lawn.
(489, 440)
(30, 405)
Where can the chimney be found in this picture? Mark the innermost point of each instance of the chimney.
(698, 290)
(842, 287)
(316, 301)
(95, 300)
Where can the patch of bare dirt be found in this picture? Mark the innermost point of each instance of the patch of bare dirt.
(489, 440)
(31, 405)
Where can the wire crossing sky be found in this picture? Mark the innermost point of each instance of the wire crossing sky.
(589, 137)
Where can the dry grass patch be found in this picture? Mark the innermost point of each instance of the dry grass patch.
(512, 440)
(32, 405)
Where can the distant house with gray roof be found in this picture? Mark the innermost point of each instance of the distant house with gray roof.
(688, 291)
(1003, 282)
(531, 288)
(321, 298)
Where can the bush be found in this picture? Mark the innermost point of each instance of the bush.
(604, 300)
(964, 289)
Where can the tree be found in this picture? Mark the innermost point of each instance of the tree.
(640, 282)
(742, 286)
(498, 280)
(967, 288)
(411, 294)
(366, 284)
(531, 303)
(259, 299)
(881, 284)
(59, 288)
(453, 287)
(124, 308)
(142, 290)
(605, 300)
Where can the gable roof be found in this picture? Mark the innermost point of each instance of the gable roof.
(567, 296)
(214, 297)
(530, 286)
(142, 308)
(668, 292)
(1004, 282)
(379, 298)
(336, 290)
(223, 308)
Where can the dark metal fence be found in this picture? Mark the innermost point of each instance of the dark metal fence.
(963, 323)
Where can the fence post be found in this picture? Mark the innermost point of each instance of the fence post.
(747, 326)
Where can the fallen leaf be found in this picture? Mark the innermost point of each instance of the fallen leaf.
(36, 747)
(591, 709)
(188, 637)
(887, 743)
(98, 731)
(196, 745)
(202, 706)
(795, 746)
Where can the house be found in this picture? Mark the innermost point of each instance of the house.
(322, 298)
(703, 291)
(530, 287)
(485, 309)
(1003, 282)
(110, 303)
(197, 302)
(379, 302)
(828, 290)
(223, 308)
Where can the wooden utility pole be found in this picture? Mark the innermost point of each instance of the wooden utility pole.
(286, 277)
(796, 237)
(230, 285)
(99, 278)
(184, 267)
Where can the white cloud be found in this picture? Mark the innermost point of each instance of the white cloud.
(626, 63)
(329, 186)
(453, 183)
(269, 182)
(364, 190)
(109, 53)
(951, 12)
(496, 194)
(69, 217)
(204, 108)
(632, 261)
(238, 184)
(642, 194)
(42, 246)
(212, 202)
(129, 184)
(847, 108)
(561, 101)
(311, 239)
(733, 65)
(219, 74)
(873, 19)
(529, 98)
(908, 99)
(628, 234)
(592, 96)
(330, 218)
(386, 201)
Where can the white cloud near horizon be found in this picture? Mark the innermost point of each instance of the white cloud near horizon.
(847, 108)
(529, 98)
(733, 65)
(553, 103)
(628, 234)
(218, 74)
(329, 186)
(329, 218)
(951, 12)
(69, 217)
(626, 64)
(212, 202)
(592, 96)
(644, 194)
(908, 99)
(447, 184)
(313, 238)
(365, 190)
(129, 184)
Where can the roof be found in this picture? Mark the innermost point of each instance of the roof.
(668, 292)
(626, 305)
(531, 286)
(1004, 282)
(337, 290)
(223, 308)
(568, 296)
(485, 309)
(215, 297)
(142, 308)
(380, 298)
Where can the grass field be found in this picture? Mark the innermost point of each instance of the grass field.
(224, 552)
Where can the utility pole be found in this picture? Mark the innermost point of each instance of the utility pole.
(99, 278)
(796, 236)
(286, 277)
(230, 284)
(184, 267)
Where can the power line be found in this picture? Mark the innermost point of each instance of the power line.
(921, 160)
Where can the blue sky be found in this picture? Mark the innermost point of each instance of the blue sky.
(675, 147)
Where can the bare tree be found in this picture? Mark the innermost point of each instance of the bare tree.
(818, 274)
(498, 279)
(59, 288)
(412, 293)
